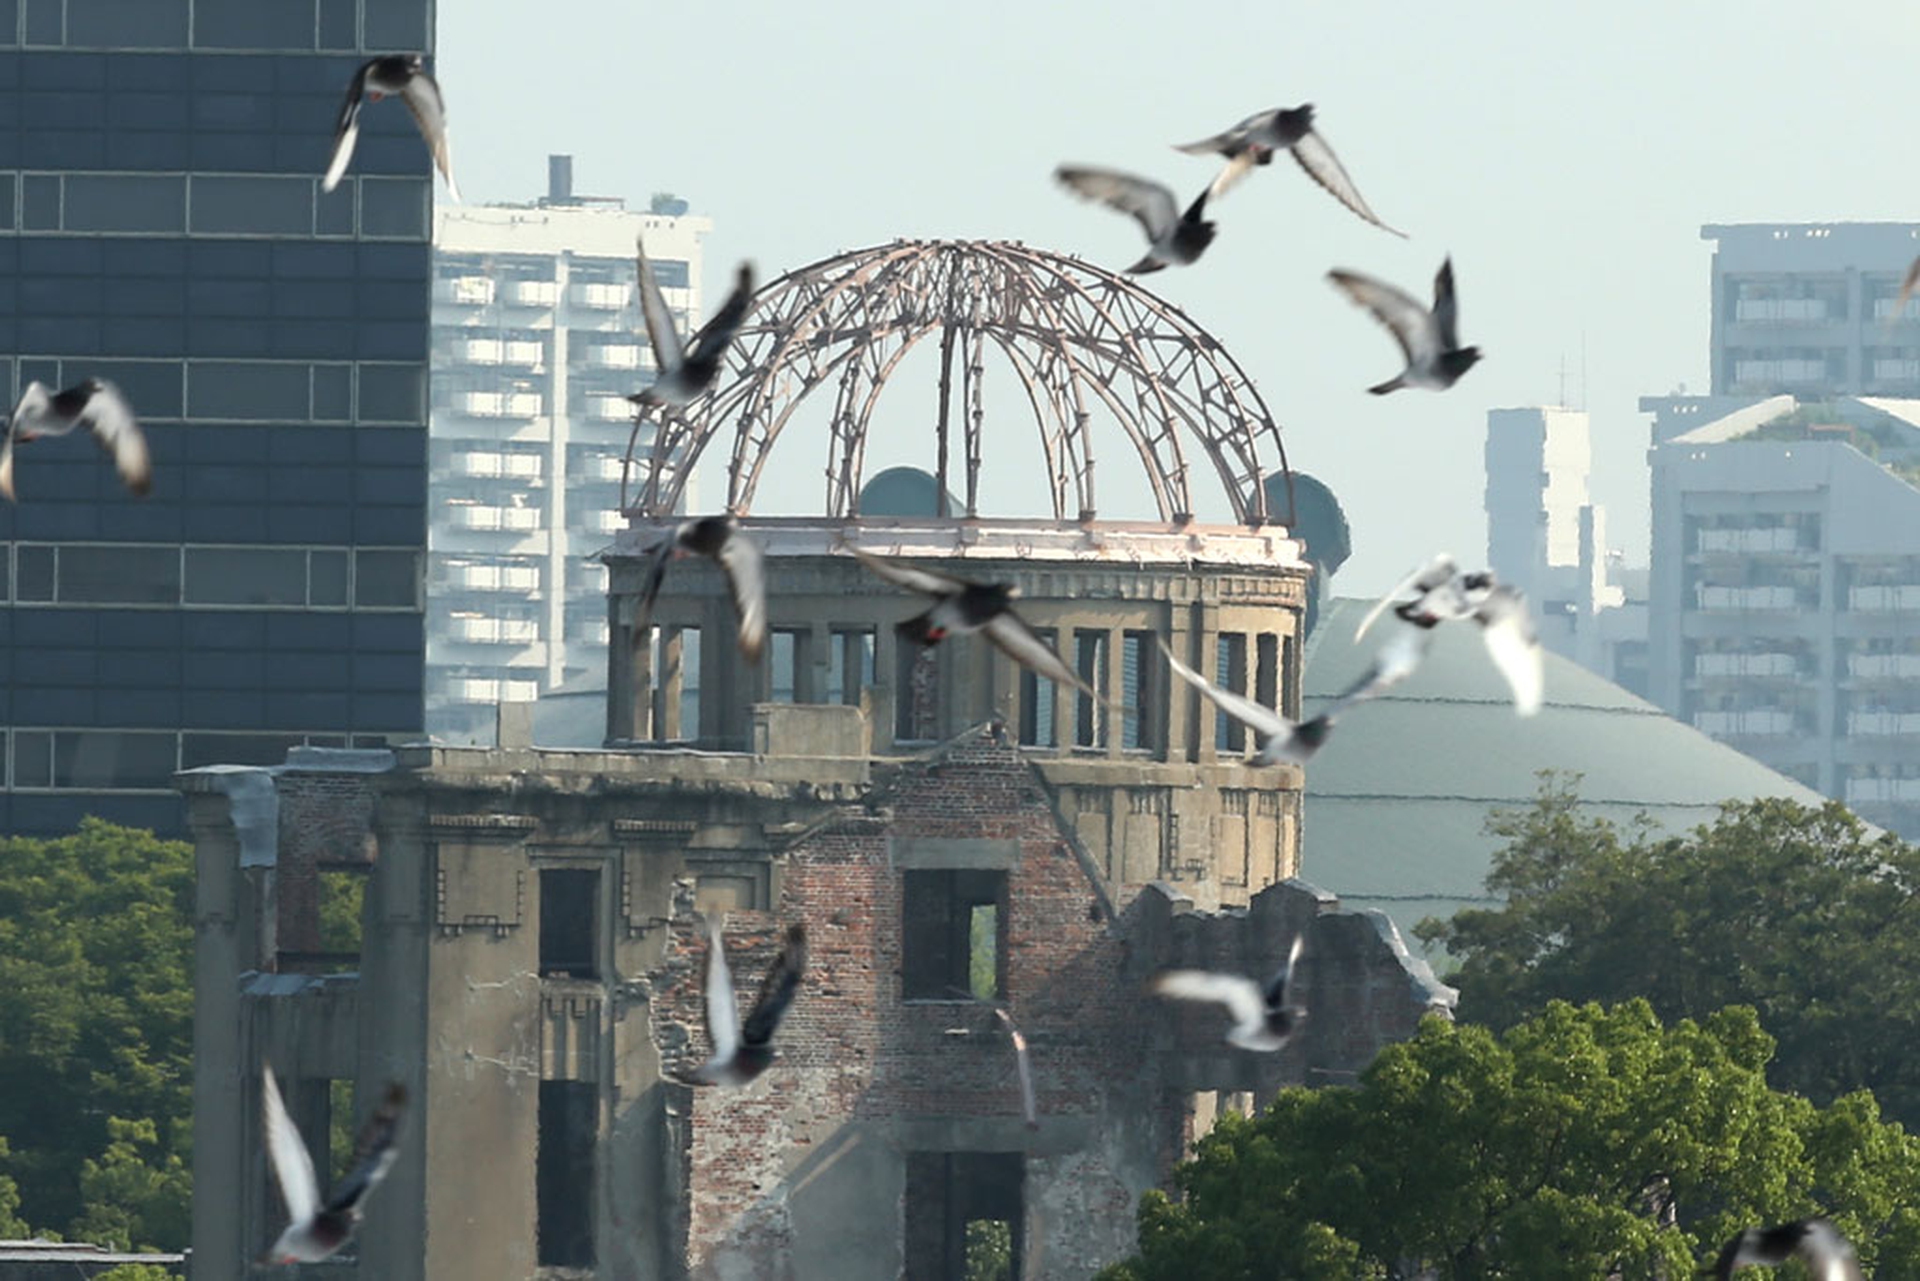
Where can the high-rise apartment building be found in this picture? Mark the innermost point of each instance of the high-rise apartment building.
(162, 226)
(1785, 596)
(537, 342)
(1807, 308)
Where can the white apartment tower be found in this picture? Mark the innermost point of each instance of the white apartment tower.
(537, 342)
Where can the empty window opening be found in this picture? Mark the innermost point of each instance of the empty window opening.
(1090, 720)
(1140, 691)
(563, 1174)
(785, 659)
(1230, 672)
(965, 1216)
(916, 710)
(569, 902)
(850, 665)
(1036, 702)
(952, 940)
(342, 893)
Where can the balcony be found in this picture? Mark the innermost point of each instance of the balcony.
(479, 351)
(528, 353)
(515, 519)
(608, 522)
(495, 578)
(498, 404)
(1883, 724)
(482, 630)
(480, 690)
(1883, 598)
(1883, 666)
(1883, 790)
(534, 293)
(1780, 371)
(1780, 310)
(612, 356)
(1883, 309)
(1712, 665)
(464, 291)
(1748, 599)
(1779, 538)
(609, 408)
(597, 469)
(499, 466)
(1896, 371)
(598, 297)
(1762, 723)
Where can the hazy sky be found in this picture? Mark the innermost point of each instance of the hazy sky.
(1566, 155)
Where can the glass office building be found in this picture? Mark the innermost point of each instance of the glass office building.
(162, 226)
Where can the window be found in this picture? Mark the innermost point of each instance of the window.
(34, 573)
(248, 391)
(246, 576)
(393, 393)
(119, 575)
(916, 697)
(32, 758)
(124, 202)
(109, 759)
(1266, 669)
(327, 581)
(386, 580)
(197, 749)
(563, 1174)
(1036, 701)
(784, 665)
(1090, 660)
(1230, 673)
(965, 1215)
(1140, 694)
(569, 900)
(951, 940)
(260, 206)
(394, 208)
(246, 24)
(850, 664)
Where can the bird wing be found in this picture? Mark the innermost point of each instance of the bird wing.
(1446, 308)
(746, 574)
(1317, 158)
(1230, 142)
(1241, 995)
(1396, 660)
(668, 355)
(1149, 203)
(373, 1153)
(928, 582)
(422, 96)
(1409, 323)
(1429, 576)
(1828, 1255)
(1010, 634)
(1239, 166)
(287, 1153)
(1022, 1068)
(1280, 986)
(110, 419)
(656, 573)
(346, 131)
(717, 334)
(1507, 629)
(778, 988)
(723, 1013)
(1262, 720)
(31, 409)
(1906, 291)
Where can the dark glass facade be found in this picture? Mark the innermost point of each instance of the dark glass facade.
(162, 226)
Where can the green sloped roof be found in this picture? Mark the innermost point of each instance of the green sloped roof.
(1397, 801)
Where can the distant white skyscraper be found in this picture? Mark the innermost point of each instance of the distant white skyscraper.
(537, 342)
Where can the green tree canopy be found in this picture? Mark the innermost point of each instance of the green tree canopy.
(1587, 1142)
(1797, 912)
(96, 1032)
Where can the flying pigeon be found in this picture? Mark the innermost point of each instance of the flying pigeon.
(962, 606)
(742, 1051)
(316, 1230)
(94, 404)
(681, 374)
(1022, 1068)
(1442, 594)
(1907, 287)
(1256, 140)
(1173, 238)
(404, 74)
(1427, 339)
(1264, 1017)
(719, 538)
(1283, 740)
(1815, 1242)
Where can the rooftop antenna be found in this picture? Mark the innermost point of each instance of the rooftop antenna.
(1562, 402)
(1583, 371)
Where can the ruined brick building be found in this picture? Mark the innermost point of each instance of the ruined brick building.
(958, 836)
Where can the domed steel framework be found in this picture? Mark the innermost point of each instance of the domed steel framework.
(1073, 333)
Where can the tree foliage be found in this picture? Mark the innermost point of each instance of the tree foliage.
(1798, 912)
(1587, 1142)
(96, 1032)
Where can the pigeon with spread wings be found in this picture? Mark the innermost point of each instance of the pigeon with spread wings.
(404, 75)
(94, 404)
(962, 606)
(1429, 340)
(1258, 138)
(743, 1050)
(1173, 238)
(720, 539)
(1443, 594)
(1264, 1015)
(317, 1230)
(681, 373)
(1815, 1242)
(1280, 739)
